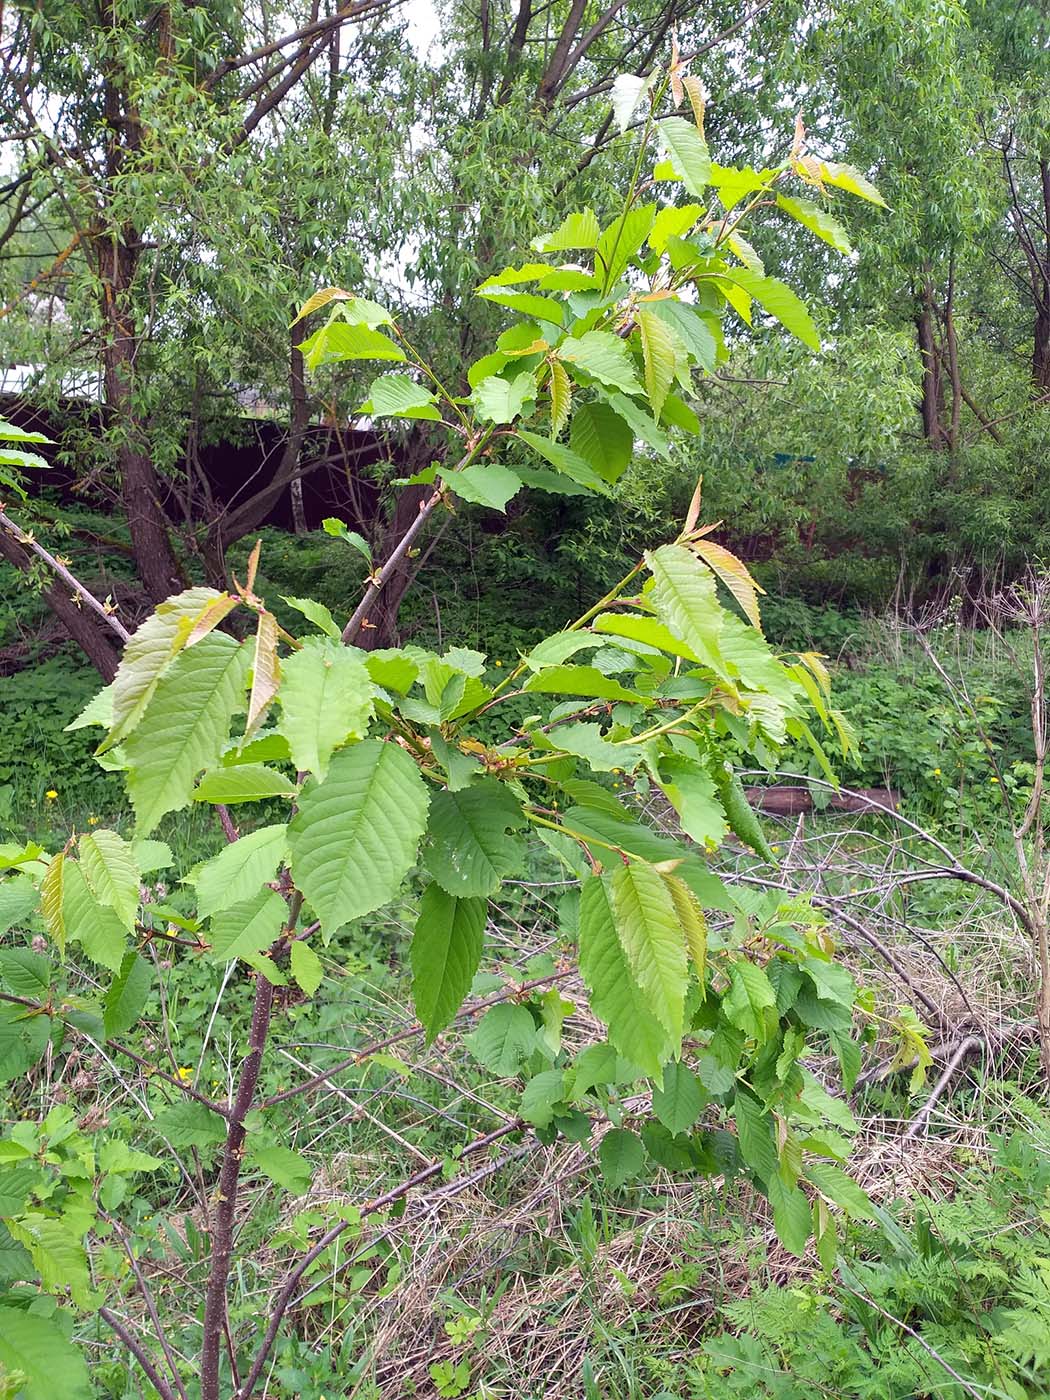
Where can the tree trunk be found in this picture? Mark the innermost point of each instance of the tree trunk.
(1041, 329)
(931, 375)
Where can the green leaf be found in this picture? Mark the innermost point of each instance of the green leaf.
(354, 309)
(108, 864)
(603, 438)
(500, 400)
(485, 484)
(243, 782)
(316, 613)
(849, 178)
(578, 230)
(672, 222)
(469, 852)
(791, 1215)
(604, 357)
(690, 789)
(687, 151)
(833, 1183)
(686, 601)
(563, 458)
(146, 657)
(817, 220)
(748, 1000)
(189, 1124)
(561, 397)
(127, 995)
(57, 1253)
(627, 93)
(578, 680)
(537, 308)
(642, 424)
(355, 835)
(307, 970)
(588, 742)
(693, 924)
(620, 242)
(152, 855)
(553, 650)
(621, 1155)
(392, 669)
(659, 356)
(614, 994)
(540, 479)
(679, 1101)
(185, 726)
(19, 897)
(780, 301)
(504, 1040)
(336, 528)
(98, 929)
(248, 927)
(754, 1130)
(692, 327)
(25, 973)
(541, 1096)
(399, 396)
(326, 700)
(282, 1165)
(652, 940)
(35, 1348)
(445, 952)
(24, 1037)
(53, 901)
(239, 869)
(597, 1065)
(339, 341)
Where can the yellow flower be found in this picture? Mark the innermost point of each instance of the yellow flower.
(993, 780)
(497, 663)
(936, 772)
(51, 794)
(774, 849)
(93, 821)
(185, 1073)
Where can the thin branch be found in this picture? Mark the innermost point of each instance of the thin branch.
(80, 592)
(137, 1350)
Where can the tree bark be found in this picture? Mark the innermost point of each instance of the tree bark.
(380, 627)
(930, 406)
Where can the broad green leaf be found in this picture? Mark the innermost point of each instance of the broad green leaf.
(504, 1040)
(781, 302)
(561, 397)
(316, 613)
(621, 1155)
(108, 864)
(672, 222)
(537, 308)
(146, 657)
(849, 178)
(392, 669)
(116, 1156)
(597, 1065)
(604, 357)
(735, 184)
(19, 897)
(687, 151)
(679, 1100)
(691, 791)
(692, 923)
(833, 1183)
(185, 726)
(355, 835)
(240, 869)
(642, 424)
(307, 969)
(127, 995)
(620, 242)
(282, 1165)
(485, 484)
(692, 327)
(340, 341)
(574, 466)
(553, 650)
(445, 953)
(817, 220)
(399, 396)
(791, 1215)
(588, 742)
(189, 1124)
(511, 276)
(652, 940)
(243, 782)
(98, 929)
(750, 1002)
(578, 680)
(645, 630)
(543, 480)
(335, 527)
(659, 357)
(603, 438)
(579, 230)
(24, 1037)
(25, 973)
(754, 1130)
(686, 601)
(500, 400)
(152, 855)
(98, 710)
(34, 1348)
(326, 700)
(57, 1253)
(614, 995)
(541, 1096)
(356, 309)
(248, 927)
(469, 851)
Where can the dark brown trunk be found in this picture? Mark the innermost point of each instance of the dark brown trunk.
(930, 406)
(1041, 329)
(81, 626)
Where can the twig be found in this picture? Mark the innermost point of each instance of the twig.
(972, 1042)
(79, 590)
(137, 1350)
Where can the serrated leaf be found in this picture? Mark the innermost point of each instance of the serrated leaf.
(34, 1348)
(575, 467)
(147, 655)
(692, 327)
(780, 301)
(184, 727)
(750, 1002)
(578, 230)
(485, 484)
(500, 400)
(605, 357)
(672, 222)
(243, 782)
(97, 711)
(652, 941)
(240, 869)
(152, 855)
(589, 743)
(627, 93)
(316, 613)
(604, 439)
(58, 1255)
(621, 1155)
(734, 573)
(579, 680)
(99, 930)
(108, 864)
(266, 672)
(620, 242)
(127, 995)
(190, 1124)
(504, 1040)
(659, 357)
(817, 220)
(399, 396)
(686, 601)
(248, 927)
(692, 922)
(327, 699)
(791, 1215)
(558, 647)
(25, 973)
(445, 953)
(24, 1037)
(614, 994)
(850, 179)
(691, 791)
(754, 1130)
(687, 151)
(833, 1183)
(541, 1096)
(643, 425)
(339, 341)
(19, 897)
(678, 1100)
(561, 397)
(306, 966)
(356, 834)
(469, 851)
(282, 1165)
(528, 304)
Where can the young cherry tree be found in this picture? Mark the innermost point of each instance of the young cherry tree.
(399, 760)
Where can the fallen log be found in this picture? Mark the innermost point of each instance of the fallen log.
(781, 800)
